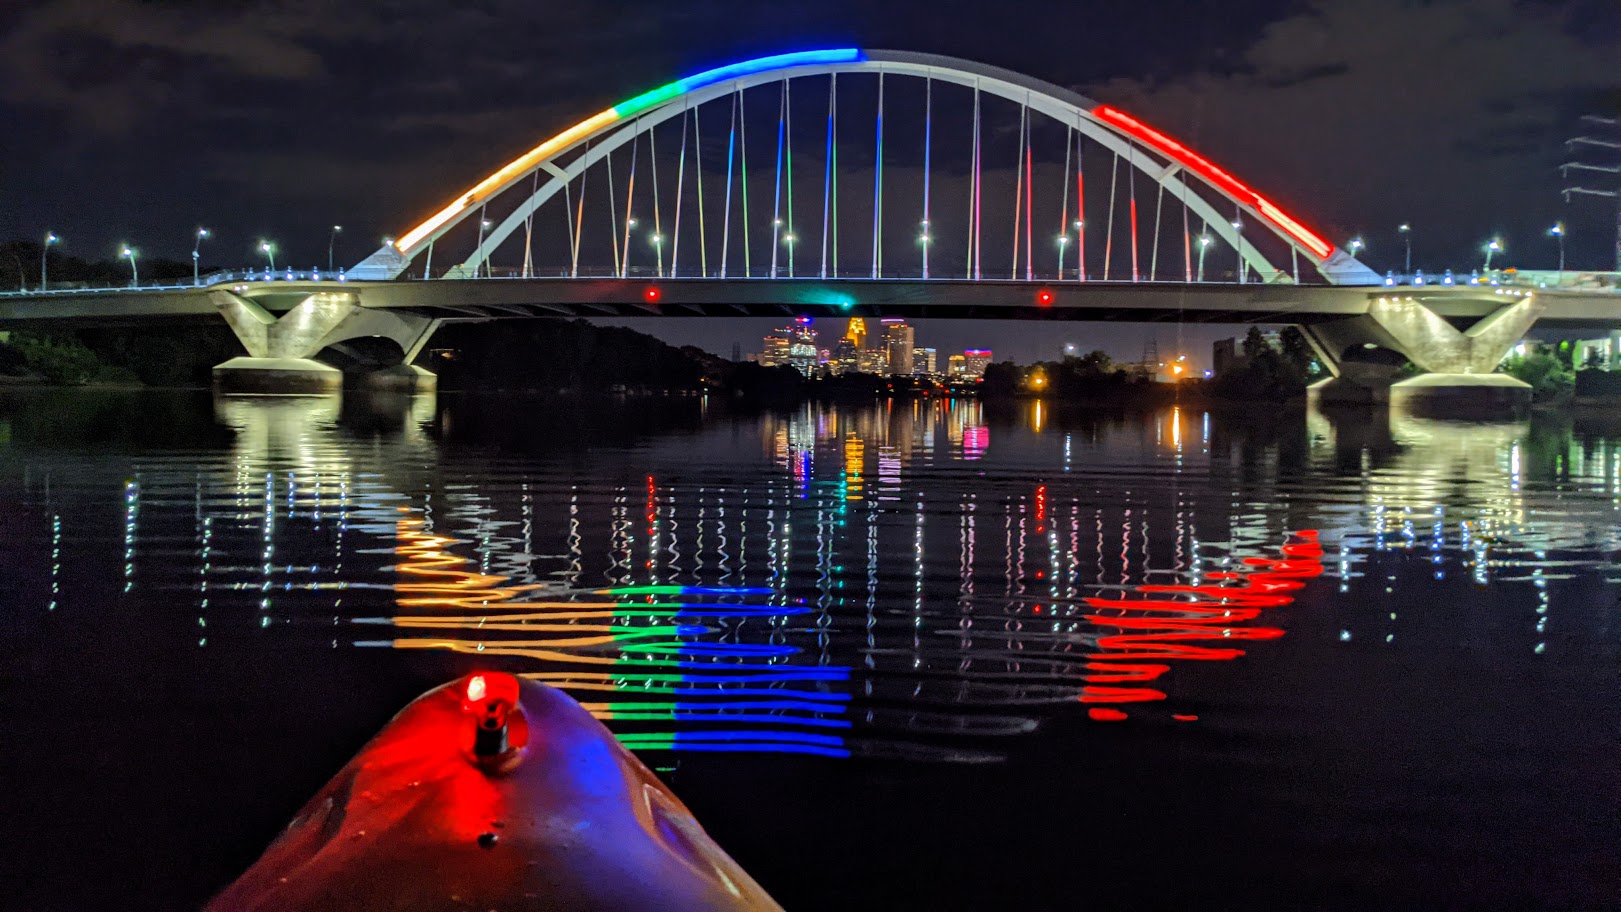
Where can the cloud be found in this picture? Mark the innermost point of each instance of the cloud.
(1363, 113)
(107, 64)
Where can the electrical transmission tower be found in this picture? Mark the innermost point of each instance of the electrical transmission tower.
(1612, 145)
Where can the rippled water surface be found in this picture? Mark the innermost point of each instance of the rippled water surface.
(909, 654)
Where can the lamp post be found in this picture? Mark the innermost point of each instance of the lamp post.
(269, 250)
(331, 247)
(134, 272)
(1492, 246)
(1356, 245)
(1204, 244)
(483, 226)
(657, 241)
(44, 251)
(1558, 231)
(1407, 236)
(1238, 248)
(1063, 244)
(196, 252)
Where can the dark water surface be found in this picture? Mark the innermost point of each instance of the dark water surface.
(906, 655)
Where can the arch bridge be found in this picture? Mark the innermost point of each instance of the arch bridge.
(881, 182)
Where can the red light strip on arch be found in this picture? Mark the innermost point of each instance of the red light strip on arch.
(1202, 166)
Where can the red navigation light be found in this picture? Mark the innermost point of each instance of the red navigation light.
(651, 294)
(492, 700)
(1044, 297)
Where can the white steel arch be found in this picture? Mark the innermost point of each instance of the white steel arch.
(1114, 130)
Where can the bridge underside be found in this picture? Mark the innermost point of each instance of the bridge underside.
(295, 332)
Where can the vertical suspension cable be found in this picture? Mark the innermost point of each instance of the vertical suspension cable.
(878, 186)
(1063, 212)
(928, 136)
(658, 222)
(480, 259)
(1108, 236)
(1238, 240)
(743, 159)
(726, 220)
(1029, 194)
(579, 217)
(788, 116)
(613, 209)
(1153, 258)
(1131, 184)
(680, 184)
(776, 200)
(529, 223)
(1080, 206)
(1018, 191)
(1294, 262)
(972, 269)
(1187, 238)
(698, 179)
(630, 195)
(427, 267)
(827, 168)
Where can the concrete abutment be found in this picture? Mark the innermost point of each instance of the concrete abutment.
(282, 348)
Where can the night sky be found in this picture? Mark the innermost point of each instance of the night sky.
(138, 121)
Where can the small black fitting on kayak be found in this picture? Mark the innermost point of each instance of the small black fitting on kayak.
(491, 737)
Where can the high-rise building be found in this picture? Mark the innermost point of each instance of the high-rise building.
(872, 361)
(774, 348)
(849, 346)
(803, 355)
(897, 345)
(956, 366)
(856, 332)
(794, 346)
(923, 362)
(975, 361)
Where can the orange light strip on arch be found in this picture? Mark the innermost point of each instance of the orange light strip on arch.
(516, 167)
(1202, 166)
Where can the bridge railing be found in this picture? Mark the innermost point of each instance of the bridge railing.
(169, 284)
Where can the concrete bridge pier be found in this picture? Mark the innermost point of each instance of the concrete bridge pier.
(1365, 354)
(375, 348)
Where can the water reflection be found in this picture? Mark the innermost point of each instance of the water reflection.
(888, 580)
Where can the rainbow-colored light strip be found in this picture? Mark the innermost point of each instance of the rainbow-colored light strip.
(1202, 166)
(411, 241)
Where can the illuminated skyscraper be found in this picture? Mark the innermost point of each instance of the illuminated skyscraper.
(923, 364)
(802, 353)
(974, 362)
(897, 345)
(956, 366)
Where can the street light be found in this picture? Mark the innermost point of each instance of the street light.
(1558, 231)
(483, 226)
(331, 246)
(1407, 235)
(196, 251)
(269, 250)
(1063, 244)
(134, 273)
(1204, 244)
(50, 238)
(1355, 245)
(1492, 246)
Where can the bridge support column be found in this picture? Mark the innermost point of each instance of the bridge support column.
(282, 348)
(1460, 365)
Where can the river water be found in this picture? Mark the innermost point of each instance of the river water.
(930, 654)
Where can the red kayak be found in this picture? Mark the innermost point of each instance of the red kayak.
(494, 793)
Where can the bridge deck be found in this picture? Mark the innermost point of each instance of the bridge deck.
(480, 299)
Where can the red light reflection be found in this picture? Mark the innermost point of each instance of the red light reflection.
(1166, 629)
